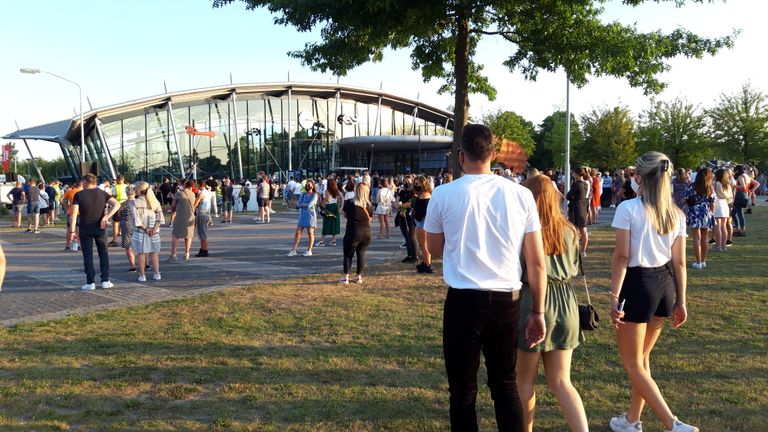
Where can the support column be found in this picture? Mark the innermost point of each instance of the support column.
(237, 137)
(176, 139)
(105, 149)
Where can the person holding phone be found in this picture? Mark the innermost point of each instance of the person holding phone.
(648, 285)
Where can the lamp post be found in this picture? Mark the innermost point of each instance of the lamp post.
(33, 71)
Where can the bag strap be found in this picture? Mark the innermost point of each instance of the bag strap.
(584, 278)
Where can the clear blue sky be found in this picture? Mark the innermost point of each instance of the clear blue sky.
(124, 50)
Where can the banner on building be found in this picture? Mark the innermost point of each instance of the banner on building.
(6, 157)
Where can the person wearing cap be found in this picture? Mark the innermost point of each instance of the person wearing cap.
(482, 225)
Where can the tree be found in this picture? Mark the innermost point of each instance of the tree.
(739, 124)
(609, 139)
(550, 141)
(512, 126)
(676, 129)
(443, 37)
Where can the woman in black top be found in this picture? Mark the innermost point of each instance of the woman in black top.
(578, 205)
(357, 236)
(424, 189)
(404, 219)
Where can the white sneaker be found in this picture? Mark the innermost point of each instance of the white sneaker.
(89, 287)
(107, 284)
(292, 253)
(678, 426)
(697, 266)
(142, 278)
(272, 211)
(703, 264)
(620, 424)
(307, 253)
(156, 276)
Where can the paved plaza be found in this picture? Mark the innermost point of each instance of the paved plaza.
(43, 281)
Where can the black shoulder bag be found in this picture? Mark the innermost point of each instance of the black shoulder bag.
(588, 318)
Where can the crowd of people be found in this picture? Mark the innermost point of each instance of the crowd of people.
(509, 252)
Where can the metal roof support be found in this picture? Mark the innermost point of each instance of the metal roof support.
(237, 136)
(290, 130)
(176, 139)
(34, 163)
(445, 129)
(335, 128)
(107, 155)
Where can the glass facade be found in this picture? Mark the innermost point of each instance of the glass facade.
(250, 133)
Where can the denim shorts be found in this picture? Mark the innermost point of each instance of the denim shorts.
(33, 208)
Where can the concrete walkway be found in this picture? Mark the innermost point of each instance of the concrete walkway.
(43, 282)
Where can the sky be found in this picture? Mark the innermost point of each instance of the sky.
(125, 50)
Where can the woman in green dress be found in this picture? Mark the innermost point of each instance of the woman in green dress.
(561, 313)
(331, 221)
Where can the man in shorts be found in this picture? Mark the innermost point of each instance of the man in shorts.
(17, 197)
(33, 207)
(226, 199)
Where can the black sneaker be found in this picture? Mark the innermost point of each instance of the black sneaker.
(728, 243)
(711, 241)
(421, 267)
(202, 254)
(131, 270)
(408, 259)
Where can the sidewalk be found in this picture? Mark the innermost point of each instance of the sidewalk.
(43, 281)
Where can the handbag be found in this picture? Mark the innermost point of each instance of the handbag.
(588, 317)
(326, 213)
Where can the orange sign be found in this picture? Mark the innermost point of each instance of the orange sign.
(194, 132)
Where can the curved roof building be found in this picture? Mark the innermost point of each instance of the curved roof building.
(241, 129)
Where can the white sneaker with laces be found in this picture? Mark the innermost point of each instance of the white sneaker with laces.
(107, 284)
(678, 426)
(291, 253)
(621, 424)
(697, 266)
(142, 278)
(89, 287)
(307, 253)
(156, 276)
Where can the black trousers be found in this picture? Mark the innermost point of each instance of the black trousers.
(89, 235)
(475, 321)
(356, 242)
(408, 228)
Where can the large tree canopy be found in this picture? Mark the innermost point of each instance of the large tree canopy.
(609, 139)
(443, 36)
(677, 129)
(550, 141)
(739, 124)
(512, 126)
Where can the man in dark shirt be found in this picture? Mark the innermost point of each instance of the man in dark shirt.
(33, 206)
(165, 189)
(17, 196)
(89, 204)
(227, 199)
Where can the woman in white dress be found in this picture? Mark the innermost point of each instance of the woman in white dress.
(723, 201)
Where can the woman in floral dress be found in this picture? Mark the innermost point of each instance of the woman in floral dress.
(700, 201)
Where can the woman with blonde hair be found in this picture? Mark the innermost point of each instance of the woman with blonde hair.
(148, 216)
(357, 237)
(384, 199)
(561, 313)
(648, 285)
(127, 225)
(307, 218)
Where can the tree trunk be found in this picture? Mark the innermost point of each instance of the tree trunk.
(461, 74)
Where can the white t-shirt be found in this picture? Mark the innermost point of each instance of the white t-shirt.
(646, 247)
(484, 218)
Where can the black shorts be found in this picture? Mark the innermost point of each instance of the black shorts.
(649, 292)
(263, 202)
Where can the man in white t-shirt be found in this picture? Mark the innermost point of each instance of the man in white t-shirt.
(481, 224)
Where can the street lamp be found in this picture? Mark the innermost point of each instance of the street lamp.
(33, 71)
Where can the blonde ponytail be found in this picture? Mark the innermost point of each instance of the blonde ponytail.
(656, 171)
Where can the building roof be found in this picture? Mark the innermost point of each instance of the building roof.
(48, 132)
(181, 99)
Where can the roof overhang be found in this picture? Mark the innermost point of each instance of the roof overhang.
(397, 143)
(55, 132)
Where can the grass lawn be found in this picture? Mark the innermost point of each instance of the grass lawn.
(310, 355)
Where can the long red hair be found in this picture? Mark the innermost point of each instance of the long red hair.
(553, 223)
